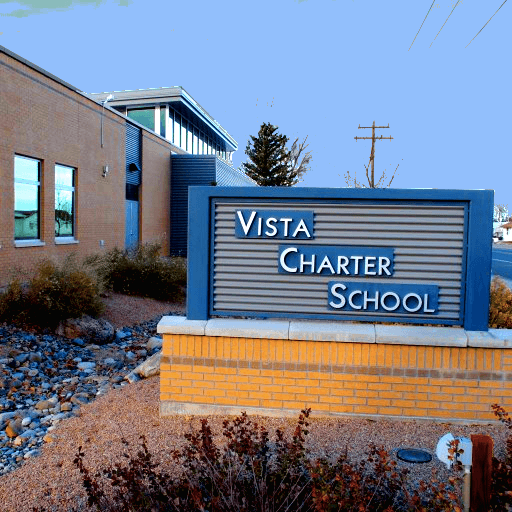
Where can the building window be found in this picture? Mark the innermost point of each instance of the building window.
(64, 201)
(27, 185)
(183, 134)
(196, 144)
(162, 120)
(189, 138)
(144, 116)
(170, 135)
(177, 130)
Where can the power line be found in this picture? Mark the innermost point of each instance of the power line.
(487, 22)
(446, 21)
(422, 24)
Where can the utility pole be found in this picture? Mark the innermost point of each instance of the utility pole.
(372, 155)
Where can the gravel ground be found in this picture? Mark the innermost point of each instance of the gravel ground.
(52, 480)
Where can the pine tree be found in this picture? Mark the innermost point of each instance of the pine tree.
(269, 160)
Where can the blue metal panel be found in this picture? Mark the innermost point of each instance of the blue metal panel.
(193, 170)
(227, 176)
(133, 154)
(477, 232)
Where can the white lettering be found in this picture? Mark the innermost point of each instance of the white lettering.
(286, 223)
(270, 224)
(425, 305)
(246, 226)
(367, 265)
(343, 266)
(259, 226)
(356, 260)
(311, 263)
(355, 292)
(383, 266)
(417, 297)
(366, 299)
(383, 301)
(326, 263)
(301, 227)
(282, 259)
(334, 289)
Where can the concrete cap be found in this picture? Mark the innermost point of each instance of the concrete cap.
(494, 338)
(420, 335)
(319, 330)
(180, 325)
(240, 328)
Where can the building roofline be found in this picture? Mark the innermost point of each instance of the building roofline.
(177, 92)
(83, 95)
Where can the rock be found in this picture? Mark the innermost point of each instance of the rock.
(149, 367)
(14, 429)
(153, 343)
(94, 330)
(132, 377)
(86, 365)
(43, 404)
(66, 406)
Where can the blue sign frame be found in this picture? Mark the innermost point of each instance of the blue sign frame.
(476, 271)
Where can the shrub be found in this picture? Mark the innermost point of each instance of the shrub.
(500, 308)
(52, 295)
(142, 272)
(249, 472)
(501, 489)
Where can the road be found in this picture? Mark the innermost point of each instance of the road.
(502, 264)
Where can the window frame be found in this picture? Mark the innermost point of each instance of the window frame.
(23, 181)
(67, 188)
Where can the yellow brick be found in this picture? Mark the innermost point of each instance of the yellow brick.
(439, 397)
(425, 404)
(228, 371)
(446, 352)
(403, 387)
(248, 371)
(366, 393)
(355, 400)
(429, 357)
(226, 385)
(191, 347)
(390, 394)
(349, 353)
(417, 380)
(332, 384)
(247, 387)
(275, 404)
(420, 355)
(226, 347)
(365, 354)
(182, 367)
(208, 384)
(413, 359)
(183, 345)
(379, 401)
(478, 391)
(365, 409)
(297, 404)
(393, 411)
(192, 375)
(237, 378)
(319, 375)
(298, 397)
(342, 408)
(322, 407)
(394, 380)
(438, 359)
(260, 394)
(441, 382)
(416, 412)
(373, 355)
(239, 394)
(217, 377)
(378, 385)
(204, 369)
(265, 350)
(261, 380)
(356, 385)
(215, 392)
(295, 375)
(381, 353)
(326, 353)
(201, 399)
(307, 382)
(279, 348)
(249, 402)
(164, 367)
(271, 388)
(170, 389)
(429, 389)
(284, 381)
(453, 390)
(172, 374)
(471, 359)
(192, 390)
(182, 382)
(388, 355)
(317, 391)
(346, 376)
(397, 352)
(490, 384)
(357, 355)
(477, 407)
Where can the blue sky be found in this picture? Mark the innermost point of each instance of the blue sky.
(316, 68)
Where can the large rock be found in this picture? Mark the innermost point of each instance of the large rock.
(150, 367)
(97, 331)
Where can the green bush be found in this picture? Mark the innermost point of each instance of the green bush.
(142, 272)
(500, 307)
(55, 293)
(249, 472)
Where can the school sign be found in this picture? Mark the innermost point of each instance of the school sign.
(381, 255)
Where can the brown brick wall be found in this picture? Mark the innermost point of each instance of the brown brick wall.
(207, 374)
(43, 119)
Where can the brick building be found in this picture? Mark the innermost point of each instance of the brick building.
(75, 174)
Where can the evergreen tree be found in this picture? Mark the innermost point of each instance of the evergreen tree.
(269, 162)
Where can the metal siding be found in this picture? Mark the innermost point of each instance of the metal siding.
(133, 153)
(429, 249)
(186, 171)
(230, 177)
